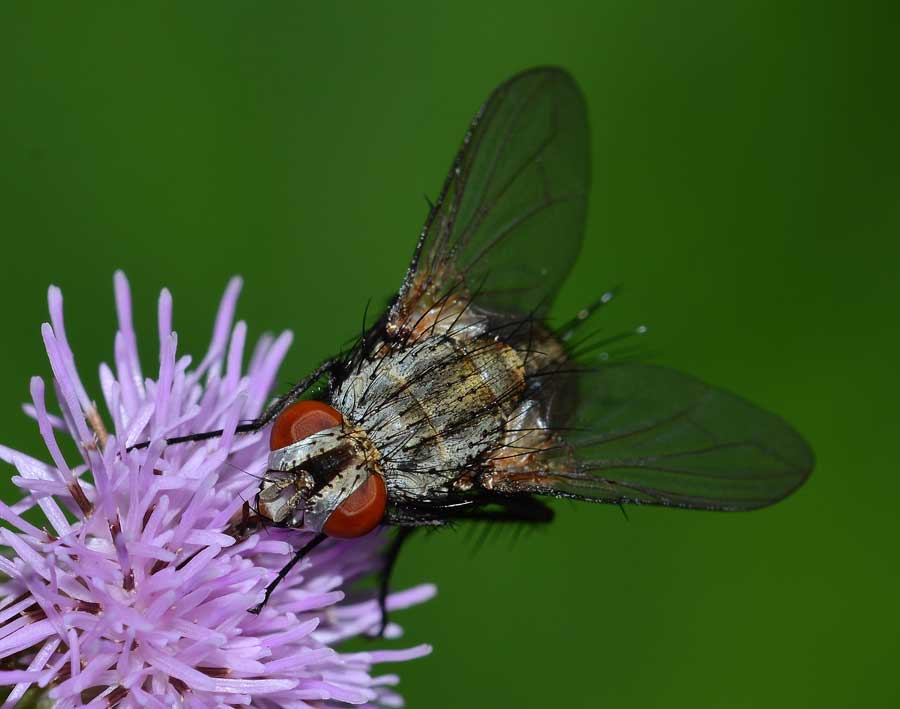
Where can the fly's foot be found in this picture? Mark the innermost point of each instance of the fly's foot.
(382, 606)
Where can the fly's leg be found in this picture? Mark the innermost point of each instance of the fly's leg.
(286, 569)
(252, 426)
(384, 579)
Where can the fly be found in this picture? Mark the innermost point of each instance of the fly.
(463, 403)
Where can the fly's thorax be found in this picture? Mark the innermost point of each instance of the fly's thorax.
(433, 315)
(308, 480)
(434, 407)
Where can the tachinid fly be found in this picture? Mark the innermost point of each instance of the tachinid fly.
(462, 403)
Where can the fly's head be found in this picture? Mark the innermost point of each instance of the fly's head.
(324, 475)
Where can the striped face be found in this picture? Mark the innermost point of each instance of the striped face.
(322, 479)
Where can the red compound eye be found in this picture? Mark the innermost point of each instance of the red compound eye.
(300, 420)
(361, 512)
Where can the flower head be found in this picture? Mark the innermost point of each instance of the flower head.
(133, 593)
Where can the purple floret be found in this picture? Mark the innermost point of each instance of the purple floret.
(132, 593)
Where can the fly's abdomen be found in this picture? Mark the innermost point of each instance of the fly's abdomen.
(434, 407)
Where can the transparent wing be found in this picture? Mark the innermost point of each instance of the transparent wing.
(648, 435)
(508, 224)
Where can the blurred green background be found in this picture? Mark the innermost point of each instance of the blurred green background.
(747, 169)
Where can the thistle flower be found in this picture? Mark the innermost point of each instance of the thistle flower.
(133, 594)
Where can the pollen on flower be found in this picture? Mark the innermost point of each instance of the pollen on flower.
(132, 592)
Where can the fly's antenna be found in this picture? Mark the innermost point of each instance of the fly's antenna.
(261, 478)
